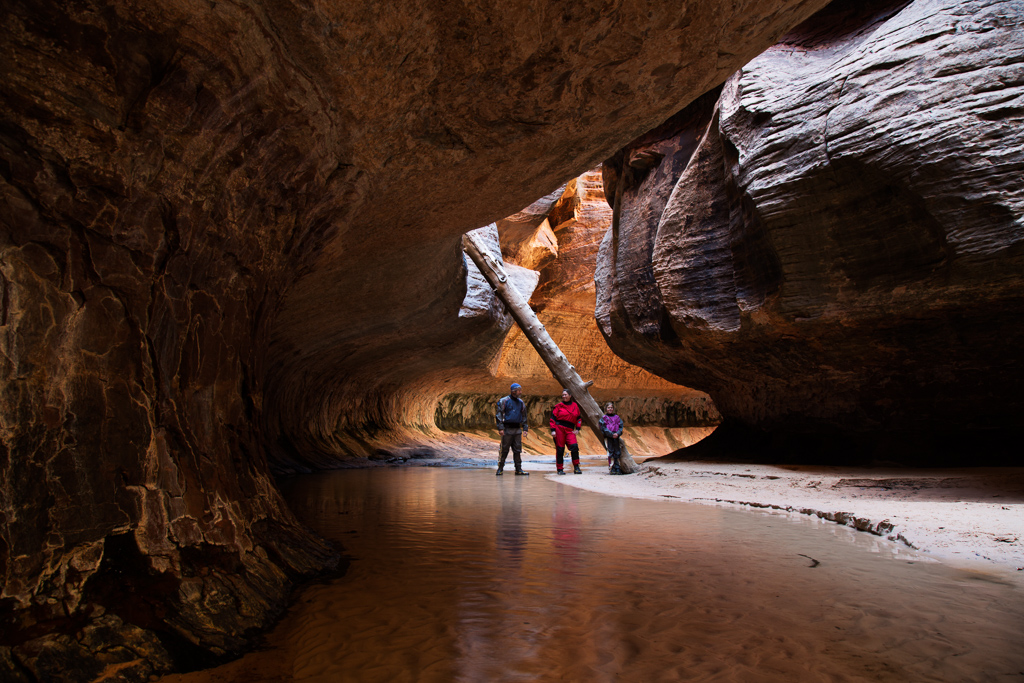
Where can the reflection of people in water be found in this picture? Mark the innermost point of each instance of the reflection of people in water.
(566, 422)
(565, 530)
(511, 536)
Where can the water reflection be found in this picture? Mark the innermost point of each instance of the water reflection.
(566, 531)
(511, 531)
(463, 576)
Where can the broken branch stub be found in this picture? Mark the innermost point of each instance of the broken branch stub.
(549, 352)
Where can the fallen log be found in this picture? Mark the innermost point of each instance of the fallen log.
(549, 352)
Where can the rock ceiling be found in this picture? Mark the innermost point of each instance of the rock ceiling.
(230, 242)
(230, 230)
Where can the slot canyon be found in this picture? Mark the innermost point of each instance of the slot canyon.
(231, 254)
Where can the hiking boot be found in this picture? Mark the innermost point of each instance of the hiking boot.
(561, 471)
(525, 474)
(576, 469)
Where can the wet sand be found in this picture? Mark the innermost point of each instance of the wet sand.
(965, 516)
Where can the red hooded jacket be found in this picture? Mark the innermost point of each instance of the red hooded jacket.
(566, 415)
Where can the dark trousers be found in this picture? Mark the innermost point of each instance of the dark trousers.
(512, 438)
(614, 449)
(574, 453)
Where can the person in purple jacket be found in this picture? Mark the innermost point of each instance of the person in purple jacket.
(611, 427)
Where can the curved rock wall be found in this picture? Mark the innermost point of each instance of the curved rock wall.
(841, 250)
(419, 416)
(564, 301)
(229, 231)
(559, 234)
(147, 200)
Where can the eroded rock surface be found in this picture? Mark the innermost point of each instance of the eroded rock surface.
(835, 244)
(660, 416)
(229, 239)
(564, 303)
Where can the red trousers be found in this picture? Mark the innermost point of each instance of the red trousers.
(565, 436)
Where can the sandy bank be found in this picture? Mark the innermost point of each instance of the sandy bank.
(959, 516)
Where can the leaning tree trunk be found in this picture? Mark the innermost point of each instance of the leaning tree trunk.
(549, 352)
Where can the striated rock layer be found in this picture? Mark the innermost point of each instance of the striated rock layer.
(653, 425)
(834, 245)
(229, 232)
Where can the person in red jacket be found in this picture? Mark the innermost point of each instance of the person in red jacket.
(566, 422)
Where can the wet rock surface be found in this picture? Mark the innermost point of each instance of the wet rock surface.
(832, 248)
(229, 233)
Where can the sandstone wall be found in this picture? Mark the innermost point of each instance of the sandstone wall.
(559, 234)
(564, 301)
(834, 246)
(474, 412)
(228, 232)
(147, 206)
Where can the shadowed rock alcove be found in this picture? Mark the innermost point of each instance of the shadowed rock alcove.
(230, 238)
(230, 249)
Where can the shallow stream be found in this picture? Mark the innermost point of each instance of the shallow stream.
(458, 575)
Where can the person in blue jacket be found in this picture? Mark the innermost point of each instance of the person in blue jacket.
(511, 420)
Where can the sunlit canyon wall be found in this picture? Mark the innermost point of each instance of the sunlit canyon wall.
(229, 232)
(550, 251)
(833, 246)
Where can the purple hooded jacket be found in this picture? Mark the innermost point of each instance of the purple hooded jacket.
(611, 424)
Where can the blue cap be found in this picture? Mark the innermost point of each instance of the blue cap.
(514, 387)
